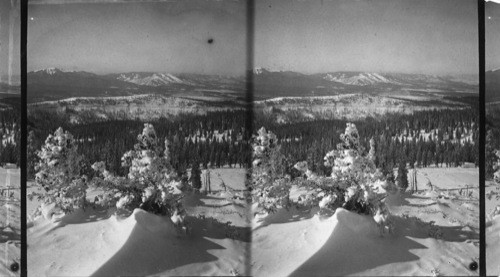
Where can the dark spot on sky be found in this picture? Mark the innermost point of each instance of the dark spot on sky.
(210, 40)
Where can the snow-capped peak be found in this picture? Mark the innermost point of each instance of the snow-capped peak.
(258, 70)
(261, 70)
(150, 79)
(50, 70)
(357, 79)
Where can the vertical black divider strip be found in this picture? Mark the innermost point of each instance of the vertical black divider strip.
(482, 113)
(24, 114)
(250, 21)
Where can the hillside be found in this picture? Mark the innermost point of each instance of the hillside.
(436, 233)
(350, 106)
(55, 84)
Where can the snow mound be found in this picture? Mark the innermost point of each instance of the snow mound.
(307, 238)
(89, 242)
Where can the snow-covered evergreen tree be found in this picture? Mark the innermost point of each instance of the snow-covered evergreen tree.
(355, 183)
(151, 183)
(269, 189)
(58, 173)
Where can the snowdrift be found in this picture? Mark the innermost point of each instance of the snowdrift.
(89, 244)
(10, 216)
(100, 242)
(295, 243)
(10, 237)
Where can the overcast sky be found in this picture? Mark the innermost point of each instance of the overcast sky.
(492, 34)
(5, 18)
(412, 36)
(421, 36)
(122, 37)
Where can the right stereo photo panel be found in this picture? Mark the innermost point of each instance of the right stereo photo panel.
(492, 146)
(366, 138)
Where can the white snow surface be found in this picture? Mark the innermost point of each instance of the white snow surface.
(299, 242)
(10, 223)
(492, 229)
(98, 242)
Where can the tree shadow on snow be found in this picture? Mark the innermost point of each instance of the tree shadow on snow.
(195, 199)
(212, 228)
(416, 228)
(147, 253)
(9, 234)
(349, 251)
(85, 216)
(291, 214)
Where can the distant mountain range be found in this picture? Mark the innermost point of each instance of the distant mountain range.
(53, 83)
(288, 83)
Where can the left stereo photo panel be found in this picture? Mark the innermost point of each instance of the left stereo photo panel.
(10, 134)
(137, 151)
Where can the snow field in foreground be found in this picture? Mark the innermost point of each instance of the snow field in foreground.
(492, 229)
(99, 243)
(300, 243)
(10, 223)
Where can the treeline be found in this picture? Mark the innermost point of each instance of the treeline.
(445, 137)
(440, 138)
(215, 139)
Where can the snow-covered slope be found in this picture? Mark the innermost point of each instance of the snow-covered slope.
(97, 242)
(144, 106)
(492, 228)
(350, 106)
(436, 232)
(49, 70)
(10, 220)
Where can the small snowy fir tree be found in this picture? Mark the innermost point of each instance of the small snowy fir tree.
(58, 173)
(355, 183)
(269, 188)
(151, 183)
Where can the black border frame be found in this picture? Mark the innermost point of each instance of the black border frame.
(250, 17)
(24, 117)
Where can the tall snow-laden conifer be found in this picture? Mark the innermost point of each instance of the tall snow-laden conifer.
(269, 189)
(58, 173)
(151, 183)
(355, 183)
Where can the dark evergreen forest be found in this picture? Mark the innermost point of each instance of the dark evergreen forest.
(427, 138)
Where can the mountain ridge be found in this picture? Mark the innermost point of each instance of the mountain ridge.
(54, 83)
